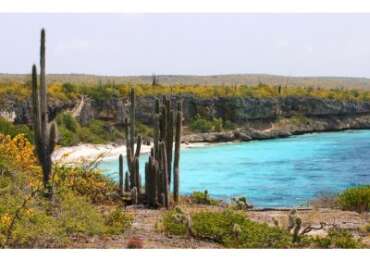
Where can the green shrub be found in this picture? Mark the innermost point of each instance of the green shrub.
(117, 221)
(234, 230)
(199, 197)
(88, 183)
(228, 125)
(67, 137)
(69, 88)
(144, 130)
(36, 228)
(174, 222)
(96, 132)
(355, 198)
(78, 216)
(200, 124)
(100, 132)
(337, 238)
(230, 228)
(8, 128)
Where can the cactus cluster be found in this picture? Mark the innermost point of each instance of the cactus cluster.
(162, 168)
(45, 132)
(163, 163)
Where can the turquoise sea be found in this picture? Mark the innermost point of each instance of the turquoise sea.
(274, 173)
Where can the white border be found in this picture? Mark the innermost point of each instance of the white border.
(185, 6)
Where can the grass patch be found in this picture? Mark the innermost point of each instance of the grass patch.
(355, 199)
(229, 228)
(337, 238)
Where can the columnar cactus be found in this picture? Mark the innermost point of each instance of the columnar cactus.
(45, 132)
(132, 154)
(127, 183)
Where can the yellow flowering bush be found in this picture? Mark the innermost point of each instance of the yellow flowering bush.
(28, 219)
(16, 155)
(91, 183)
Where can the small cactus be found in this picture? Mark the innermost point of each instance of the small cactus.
(297, 228)
(120, 172)
(237, 230)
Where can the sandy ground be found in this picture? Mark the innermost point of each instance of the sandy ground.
(90, 152)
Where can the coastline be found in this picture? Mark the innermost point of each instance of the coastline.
(283, 128)
(90, 152)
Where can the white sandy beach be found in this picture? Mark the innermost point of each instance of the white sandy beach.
(90, 152)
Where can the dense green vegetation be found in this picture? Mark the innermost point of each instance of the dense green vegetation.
(100, 92)
(219, 80)
(29, 219)
(96, 132)
(8, 128)
(336, 238)
(71, 132)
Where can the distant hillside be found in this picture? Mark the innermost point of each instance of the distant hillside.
(231, 79)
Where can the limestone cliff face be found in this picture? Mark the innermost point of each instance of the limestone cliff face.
(21, 110)
(242, 111)
(236, 109)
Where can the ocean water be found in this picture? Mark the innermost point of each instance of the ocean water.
(274, 173)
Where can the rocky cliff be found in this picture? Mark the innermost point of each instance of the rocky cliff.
(258, 118)
(239, 110)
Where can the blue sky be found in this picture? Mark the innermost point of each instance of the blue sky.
(201, 44)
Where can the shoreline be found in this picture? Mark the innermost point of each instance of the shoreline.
(89, 152)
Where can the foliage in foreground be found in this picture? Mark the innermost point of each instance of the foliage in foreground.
(28, 219)
(337, 238)
(230, 228)
(355, 198)
(233, 229)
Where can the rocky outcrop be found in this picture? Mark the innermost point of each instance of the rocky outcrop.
(285, 129)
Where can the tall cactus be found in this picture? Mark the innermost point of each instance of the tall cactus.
(45, 133)
(132, 154)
